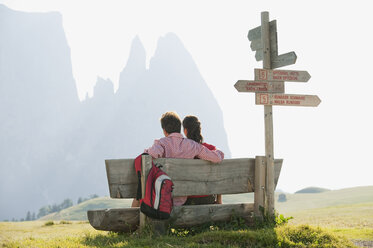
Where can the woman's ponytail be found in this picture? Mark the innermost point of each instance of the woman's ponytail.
(193, 127)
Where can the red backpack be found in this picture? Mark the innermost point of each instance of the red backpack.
(157, 202)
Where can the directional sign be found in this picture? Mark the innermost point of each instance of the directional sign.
(256, 33)
(255, 36)
(283, 60)
(287, 100)
(277, 61)
(259, 86)
(281, 75)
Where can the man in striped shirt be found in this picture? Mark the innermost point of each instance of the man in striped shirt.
(174, 145)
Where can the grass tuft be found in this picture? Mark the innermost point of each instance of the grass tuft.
(49, 223)
(64, 222)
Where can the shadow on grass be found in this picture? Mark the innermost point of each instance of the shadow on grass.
(106, 240)
(111, 240)
(233, 234)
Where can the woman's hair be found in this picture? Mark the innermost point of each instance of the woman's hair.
(193, 127)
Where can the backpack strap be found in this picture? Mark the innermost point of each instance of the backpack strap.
(138, 163)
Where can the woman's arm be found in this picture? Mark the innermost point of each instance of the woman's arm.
(215, 156)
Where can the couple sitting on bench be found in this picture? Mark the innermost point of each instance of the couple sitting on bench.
(174, 145)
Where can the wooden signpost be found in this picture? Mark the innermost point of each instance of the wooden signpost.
(268, 87)
(259, 86)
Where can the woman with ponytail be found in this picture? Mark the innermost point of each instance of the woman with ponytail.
(192, 130)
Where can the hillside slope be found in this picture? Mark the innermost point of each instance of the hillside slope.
(79, 212)
(348, 196)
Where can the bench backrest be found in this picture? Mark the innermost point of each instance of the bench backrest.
(190, 176)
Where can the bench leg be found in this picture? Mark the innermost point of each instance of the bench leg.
(259, 194)
(159, 227)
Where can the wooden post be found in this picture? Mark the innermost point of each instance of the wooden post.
(159, 227)
(268, 121)
(259, 187)
(146, 165)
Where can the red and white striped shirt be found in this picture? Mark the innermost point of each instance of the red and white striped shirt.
(176, 146)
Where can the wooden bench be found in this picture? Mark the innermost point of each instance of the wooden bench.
(190, 177)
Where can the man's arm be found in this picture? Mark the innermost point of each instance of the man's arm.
(214, 156)
(156, 150)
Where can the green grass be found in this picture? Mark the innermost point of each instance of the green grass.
(344, 216)
(49, 223)
(35, 234)
(13, 231)
(354, 221)
(354, 233)
(320, 219)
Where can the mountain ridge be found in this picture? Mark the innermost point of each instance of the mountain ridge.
(54, 145)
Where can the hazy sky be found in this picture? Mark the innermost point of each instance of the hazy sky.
(326, 146)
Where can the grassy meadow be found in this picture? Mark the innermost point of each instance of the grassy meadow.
(80, 234)
(337, 218)
(29, 231)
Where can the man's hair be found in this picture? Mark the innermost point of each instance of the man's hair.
(170, 122)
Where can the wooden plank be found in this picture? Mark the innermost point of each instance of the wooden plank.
(256, 45)
(145, 168)
(121, 177)
(281, 75)
(188, 216)
(278, 167)
(256, 33)
(259, 86)
(273, 39)
(228, 177)
(159, 227)
(265, 40)
(127, 219)
(259, 55)
(287, 100)
(259, 196)
(123, 190)
(116, 220)
(268, 122)
(283, 60)
(231, 175)
(277, 61)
